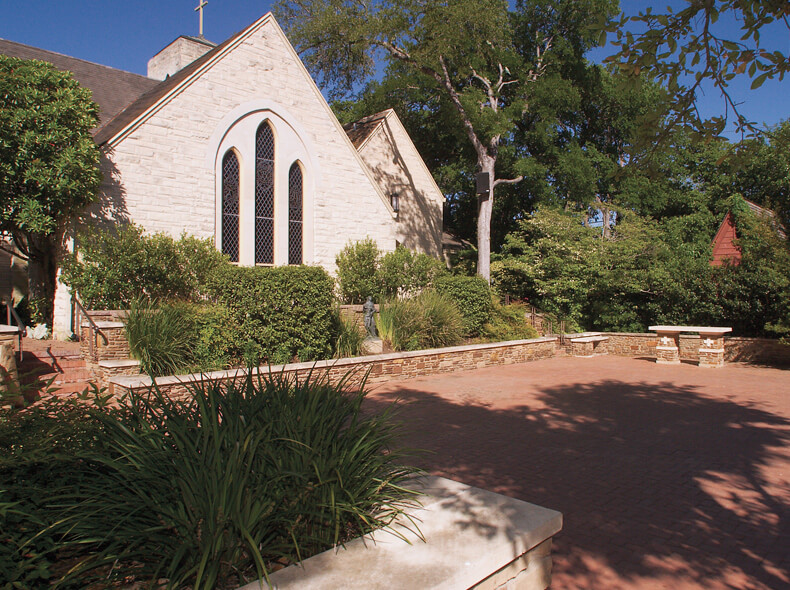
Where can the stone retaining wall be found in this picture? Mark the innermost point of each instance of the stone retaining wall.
(378, 368)
(736, 348)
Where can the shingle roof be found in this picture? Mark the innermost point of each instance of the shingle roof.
(112, 89)
(763, 212)
(139, 106)
(359, 131)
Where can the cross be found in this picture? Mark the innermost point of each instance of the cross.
(666, 341)
(708, 343)
(199, 10)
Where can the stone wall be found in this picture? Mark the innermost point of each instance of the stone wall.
(756, 350)
(355, 312)
(95, 350)
(164, 174)
(736, 349)
(377, 368)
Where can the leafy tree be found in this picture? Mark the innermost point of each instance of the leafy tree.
(472, 62)
(687, 48)
(48, 166)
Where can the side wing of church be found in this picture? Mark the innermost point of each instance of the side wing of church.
(238, 145)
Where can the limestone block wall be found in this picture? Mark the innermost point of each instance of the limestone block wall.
(355, 312)
(757, 350)
(163, 173)
(398, 168)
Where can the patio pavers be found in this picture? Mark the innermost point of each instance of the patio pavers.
(667, 476)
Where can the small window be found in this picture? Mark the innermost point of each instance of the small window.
(295, 216)
(230, 206)
(264, 195)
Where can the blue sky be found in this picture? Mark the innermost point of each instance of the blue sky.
(125, 34)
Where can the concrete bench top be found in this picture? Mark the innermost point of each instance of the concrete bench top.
(6, 329)
(590, 339)
(468, 533)
(119, 363)
(698, 329)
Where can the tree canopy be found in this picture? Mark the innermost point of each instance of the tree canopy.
(685, 49)
(482, 67)
(48, 164)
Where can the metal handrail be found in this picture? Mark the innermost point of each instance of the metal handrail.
(20, 324)
(80, 311)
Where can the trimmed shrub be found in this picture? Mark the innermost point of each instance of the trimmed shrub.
(429, 320)
(214, 335)
(356, 271)
(113, 268)
(283, 312)
(472, 296)
(508, 322)
(404, 273)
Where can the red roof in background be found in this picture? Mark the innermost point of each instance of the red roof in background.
(724, 248)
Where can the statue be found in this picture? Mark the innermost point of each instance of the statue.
(369, 308)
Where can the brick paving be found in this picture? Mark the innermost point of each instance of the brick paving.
(668, 476)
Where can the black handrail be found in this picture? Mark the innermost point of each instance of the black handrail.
(95, 330)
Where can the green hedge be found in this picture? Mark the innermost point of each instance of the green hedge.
(472, 295)
(284, 312)
(115, 267)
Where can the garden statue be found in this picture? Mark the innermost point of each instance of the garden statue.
(368, 308)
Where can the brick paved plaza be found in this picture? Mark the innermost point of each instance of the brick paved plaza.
(668, 476)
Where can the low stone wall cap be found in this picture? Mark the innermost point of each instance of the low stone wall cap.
(469, 534)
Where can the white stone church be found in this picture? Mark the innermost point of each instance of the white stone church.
(235, 142)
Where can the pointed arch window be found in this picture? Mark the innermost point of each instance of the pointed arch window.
(230, 206)
(295, 214)
(264, 194)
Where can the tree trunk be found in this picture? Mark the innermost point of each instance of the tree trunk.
(42, 269)
(486, 164)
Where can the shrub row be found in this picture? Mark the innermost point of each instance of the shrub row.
(113, 268)
(363, 272)
(282, 312)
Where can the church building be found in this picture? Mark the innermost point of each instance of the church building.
(235, 142)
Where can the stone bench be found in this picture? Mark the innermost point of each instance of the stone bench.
(711, 351)
(471, 538)
(586, 346)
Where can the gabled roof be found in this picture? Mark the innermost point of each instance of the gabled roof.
(770, 215)
(359, 131)
(147, 100)
(113, 90)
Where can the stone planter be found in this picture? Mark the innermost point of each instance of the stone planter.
(472, 538)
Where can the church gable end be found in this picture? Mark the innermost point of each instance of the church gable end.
(388, 151)
(168, 165)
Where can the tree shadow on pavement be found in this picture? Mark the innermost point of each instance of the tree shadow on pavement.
(654, 480)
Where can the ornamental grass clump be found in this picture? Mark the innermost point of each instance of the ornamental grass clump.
(159, 337)
(207, 492)
(429, 320)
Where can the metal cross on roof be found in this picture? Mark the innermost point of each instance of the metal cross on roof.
(199, 10)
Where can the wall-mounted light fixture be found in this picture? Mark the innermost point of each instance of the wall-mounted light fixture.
(395, 202)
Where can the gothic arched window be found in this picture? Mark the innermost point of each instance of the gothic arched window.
(295, 214)
(230, 205)
(264, 195)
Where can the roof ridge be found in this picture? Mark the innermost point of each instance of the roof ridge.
(93, 63)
